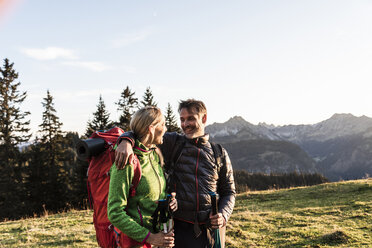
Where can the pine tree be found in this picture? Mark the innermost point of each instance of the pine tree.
(126, 105)
(52, 156)
(148, 99)
(51, 133)
(101, 119)
(14, 130)
(51, 126)
(170, 120)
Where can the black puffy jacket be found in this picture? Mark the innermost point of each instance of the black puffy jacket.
(195, 174)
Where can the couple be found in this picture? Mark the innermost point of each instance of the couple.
(193, 174)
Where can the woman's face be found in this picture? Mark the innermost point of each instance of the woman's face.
(159, 131)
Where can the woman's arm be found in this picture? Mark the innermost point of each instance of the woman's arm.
(120, 181)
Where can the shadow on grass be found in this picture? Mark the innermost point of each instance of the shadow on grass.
(62, 243)
(335, 239)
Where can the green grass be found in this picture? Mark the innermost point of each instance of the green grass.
(327, 215)
(70, 229)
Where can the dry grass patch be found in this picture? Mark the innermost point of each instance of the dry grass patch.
(70, 229)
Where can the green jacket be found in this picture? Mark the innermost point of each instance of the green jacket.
(133, 216)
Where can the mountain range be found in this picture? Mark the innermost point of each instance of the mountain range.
(339, 147)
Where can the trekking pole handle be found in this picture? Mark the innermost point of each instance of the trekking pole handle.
(170, 198)
(214, 202)
(163, 209)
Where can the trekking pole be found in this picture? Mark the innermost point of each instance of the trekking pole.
(162, 209)
(217, 239)
(161, 216)
(214, 202)
(170, 198)
(163, 206)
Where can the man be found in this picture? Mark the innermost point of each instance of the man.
(194, 173)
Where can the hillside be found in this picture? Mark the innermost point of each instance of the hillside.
(327, 215)
(339, 147)
(269, 156)
(347, 157)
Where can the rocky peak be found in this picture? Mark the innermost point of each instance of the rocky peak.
(336, 126)
(230, 127)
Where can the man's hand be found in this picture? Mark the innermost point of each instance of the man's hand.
(217, 221)
(122, 153)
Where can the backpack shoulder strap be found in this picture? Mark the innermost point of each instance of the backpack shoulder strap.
(178, 147)
(171, 160)
(217, 152)
(136, 177)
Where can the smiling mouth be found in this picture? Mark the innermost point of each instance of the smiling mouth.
(189, 129)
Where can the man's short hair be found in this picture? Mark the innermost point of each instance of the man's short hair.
(192, 105)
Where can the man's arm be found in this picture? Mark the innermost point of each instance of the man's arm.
(124, 149)
(126, 141)
(226, 188)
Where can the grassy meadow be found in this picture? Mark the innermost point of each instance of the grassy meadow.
(327, 215)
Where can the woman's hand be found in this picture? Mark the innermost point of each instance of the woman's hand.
(173, 205)
(161, 239)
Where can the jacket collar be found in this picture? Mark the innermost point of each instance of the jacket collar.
(201, 140)
(140, 149)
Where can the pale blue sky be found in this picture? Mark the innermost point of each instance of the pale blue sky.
(279, 62)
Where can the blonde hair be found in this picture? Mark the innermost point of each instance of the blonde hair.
(140, 122)
(143, 118)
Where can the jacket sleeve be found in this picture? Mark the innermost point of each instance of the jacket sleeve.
(169, 142)
(120, 181)
(226, 187)
(130, 136)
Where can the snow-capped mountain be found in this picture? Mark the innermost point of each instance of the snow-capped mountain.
(341, 146)
(338, 125)
(239, 129)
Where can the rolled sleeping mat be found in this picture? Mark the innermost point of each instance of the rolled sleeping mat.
(85, 149)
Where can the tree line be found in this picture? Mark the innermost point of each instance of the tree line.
(246, 181)
(127, 105)
(44, 174)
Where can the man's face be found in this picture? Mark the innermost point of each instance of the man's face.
(192, 124)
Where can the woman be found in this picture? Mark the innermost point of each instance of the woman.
(132, 216)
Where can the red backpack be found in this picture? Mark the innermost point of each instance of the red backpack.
(98, 188)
